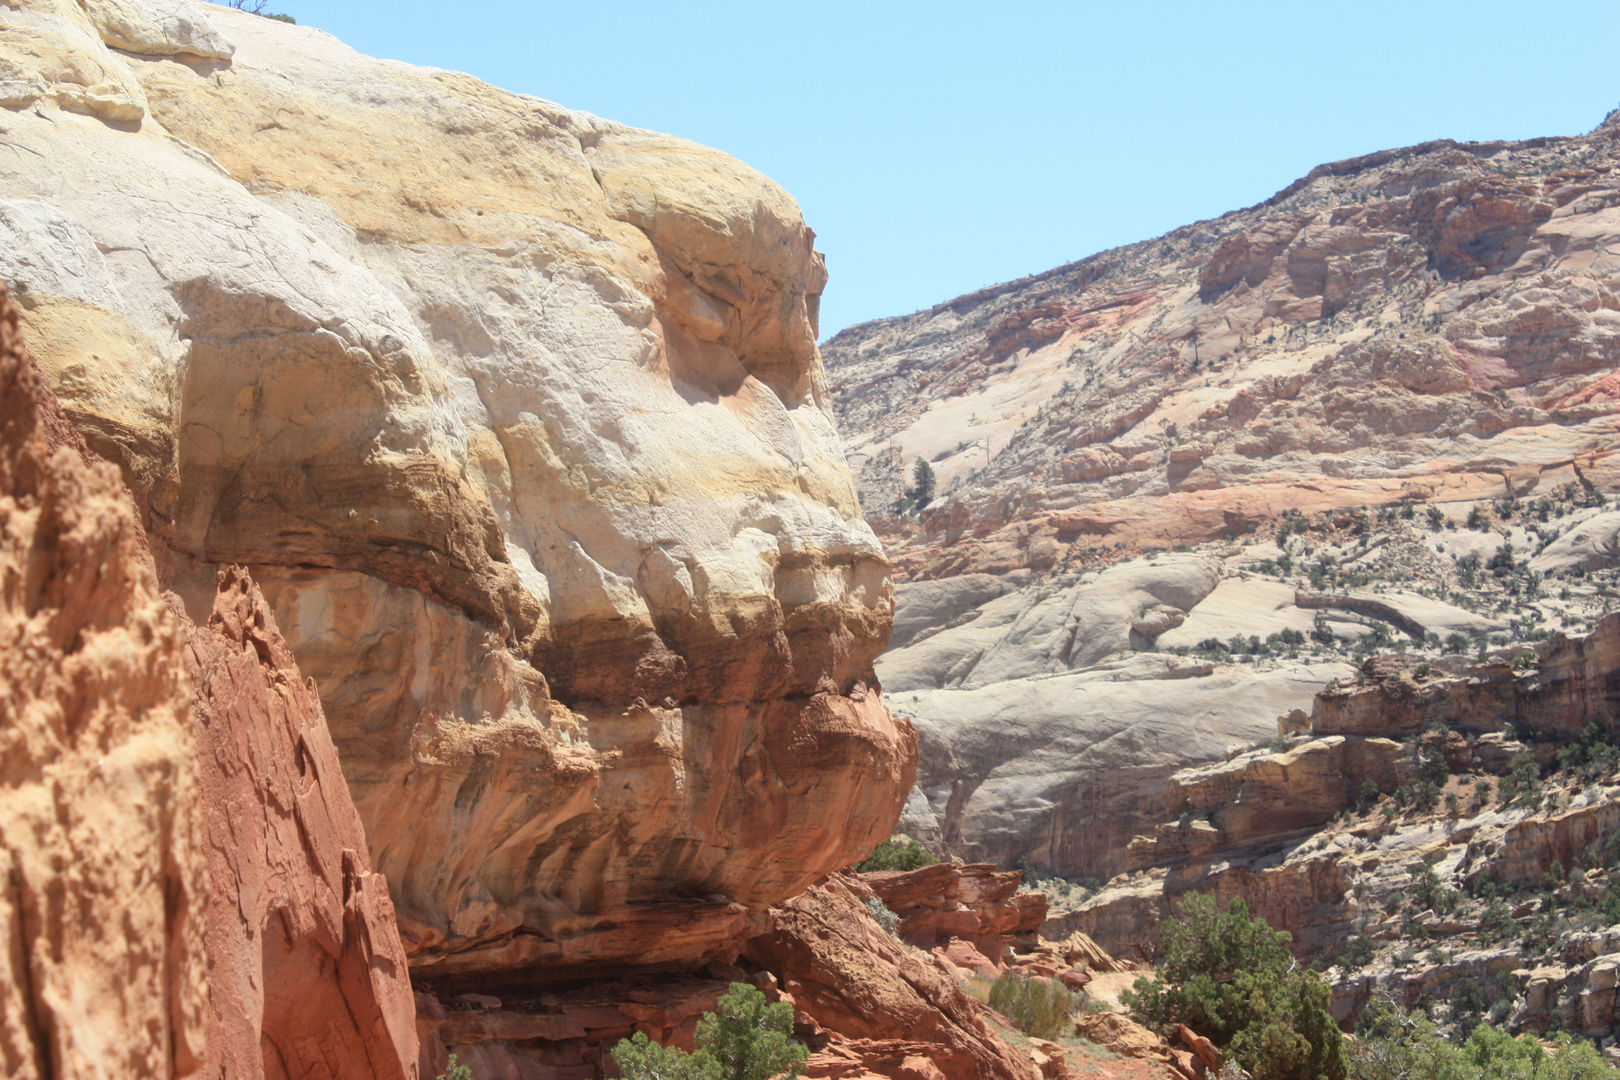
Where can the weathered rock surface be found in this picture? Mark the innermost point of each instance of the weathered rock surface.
(975, 903)
(1575, 682)
(102, 914)
(1293, 834)
(306, 973)
(525, 438)
(845, 973)
(151, 764)
(1437, 323)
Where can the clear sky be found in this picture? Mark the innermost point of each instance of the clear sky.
(939, 147)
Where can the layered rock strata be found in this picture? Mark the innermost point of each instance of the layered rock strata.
(869, 1003)
(1437, 323)
(525, 438)
(1267, 826)
(974, 903)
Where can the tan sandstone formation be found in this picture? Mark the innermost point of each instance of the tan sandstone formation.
(517, 419)
(1437, 323)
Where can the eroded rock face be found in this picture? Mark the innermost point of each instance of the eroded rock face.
(153, 764)
(102, 915)
(306, 973)
(525, 438)
(1266, 826)
(975, 903)
(846, 974)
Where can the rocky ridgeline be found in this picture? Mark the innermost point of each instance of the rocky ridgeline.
(1440, 839)
(1437, 323)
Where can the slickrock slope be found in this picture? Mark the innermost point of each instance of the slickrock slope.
(516, 417)
(151, 764)
(1436, 323)
(1050, 722)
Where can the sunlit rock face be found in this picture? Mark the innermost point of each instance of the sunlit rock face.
(516, 417)
(1437, 323)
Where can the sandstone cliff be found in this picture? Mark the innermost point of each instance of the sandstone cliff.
(190, 890)
(516, 417)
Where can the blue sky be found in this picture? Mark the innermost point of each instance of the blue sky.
(939, 147)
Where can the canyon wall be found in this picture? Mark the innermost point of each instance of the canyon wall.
(1437, 323)
(516, 417)
(1307, 398)
(190, 893)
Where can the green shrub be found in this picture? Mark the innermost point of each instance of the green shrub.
(1359, 952)
(1227, 975)
(890, 855)
(456, 1071)
(1394, 1045)
(1038, 1007)
(884, 916)
(746, 1040)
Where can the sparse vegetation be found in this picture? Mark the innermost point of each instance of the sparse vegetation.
(884, 916)
(257, 7)
(897, 853)
(1036, 1006)
(456, 1071)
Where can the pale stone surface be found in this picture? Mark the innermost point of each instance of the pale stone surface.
(1050, 722)
(518, 417)
(1064, 770)
(51, 52)
(1594, 544)
(160, 28)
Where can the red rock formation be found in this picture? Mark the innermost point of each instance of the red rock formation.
(846, 974)
(973, 903)
(307, 976)
(144, 764)
(102, 969)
